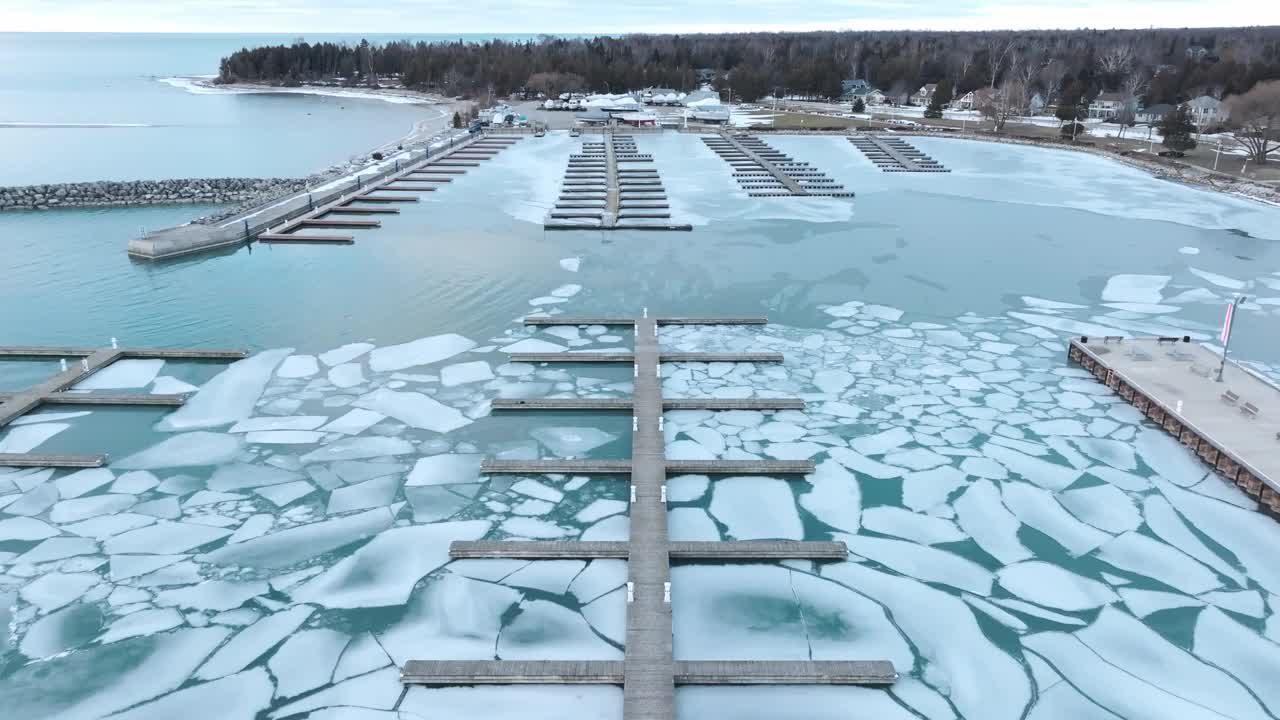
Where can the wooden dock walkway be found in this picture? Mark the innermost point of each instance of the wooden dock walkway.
(421, 176)
(765, 172)
(672, 320)
(599, 193)
(601, 404)
(623, 467)
(677, 550)
(1233, 425)
(893, 154)
(620, 357)
(613, 672)
(83, 363)
(649, 671)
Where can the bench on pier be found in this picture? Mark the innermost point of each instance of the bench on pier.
(1230, 397)
(1249, 410)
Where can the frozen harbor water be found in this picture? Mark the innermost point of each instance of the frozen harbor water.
(1023, 543)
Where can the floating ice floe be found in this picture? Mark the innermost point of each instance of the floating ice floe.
(414, 409)
(1135, 288)
(463, 373)
(345, 354)
(572, 441)
(1052, 586)
(122, 375)
(25, 438)
(756, 507)
(227, 398)
(572, 264)
(1221, 281)
(418, 352)
(298, 366)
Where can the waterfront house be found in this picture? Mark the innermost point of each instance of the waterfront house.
(924, 95)
(1154, 114)
(1206, 111)
(973, 100)
(860, 89)
(1106, 106)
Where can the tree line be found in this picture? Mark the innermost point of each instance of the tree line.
(1164, 66)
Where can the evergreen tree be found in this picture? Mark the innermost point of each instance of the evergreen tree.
(1177, 129)
(941, 96)
(1071, 109)
(858, 105)
(457, 120)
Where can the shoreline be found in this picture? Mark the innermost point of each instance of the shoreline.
(204, 85)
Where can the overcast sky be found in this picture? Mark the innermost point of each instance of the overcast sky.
(618, 16)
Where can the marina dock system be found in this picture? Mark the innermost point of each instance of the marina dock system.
(765, 172)
(599, 193)
(1233, 425)
(423, 176)
(83, 363)
(892, 154)
(649, 671)
(293, 219)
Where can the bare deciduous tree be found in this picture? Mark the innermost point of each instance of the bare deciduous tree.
(1003, 103)
(1117, 59)
(997, 50)
(1255, 117)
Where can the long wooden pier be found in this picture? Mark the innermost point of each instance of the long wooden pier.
(86, 362)
(425, 175)
(765, 172)
(1233, 425)
(627, 404)
(613, 672)
(649, 671)
(600, 194)
(893, 154)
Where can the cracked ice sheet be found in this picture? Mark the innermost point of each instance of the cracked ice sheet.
(768, 612)
(979, 678)
(546, 702)
(385, 570)
(1131, 670)
(787, 702)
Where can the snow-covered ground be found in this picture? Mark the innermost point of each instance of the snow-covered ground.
(204, 85)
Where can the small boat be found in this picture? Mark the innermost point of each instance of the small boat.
(575, 132)
(539, 133)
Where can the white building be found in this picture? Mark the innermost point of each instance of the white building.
(1206, 111)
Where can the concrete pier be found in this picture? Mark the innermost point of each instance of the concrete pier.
(1233, 425)
(893, 154)
(274, 221)
(649, 672)
(83, 363)
(765, 172)
(598, 174)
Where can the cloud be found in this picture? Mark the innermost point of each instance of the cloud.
(429, 17)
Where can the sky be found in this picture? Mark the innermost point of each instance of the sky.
(617, 17)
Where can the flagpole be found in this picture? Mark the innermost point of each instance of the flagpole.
(1229, 325)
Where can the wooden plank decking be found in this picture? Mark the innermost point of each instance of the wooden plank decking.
(736, 550)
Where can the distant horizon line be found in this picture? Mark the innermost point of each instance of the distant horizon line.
(303, 33)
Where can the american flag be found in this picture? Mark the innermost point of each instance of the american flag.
(1226, 323)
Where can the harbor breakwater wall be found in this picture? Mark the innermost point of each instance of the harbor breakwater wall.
(147, 192)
